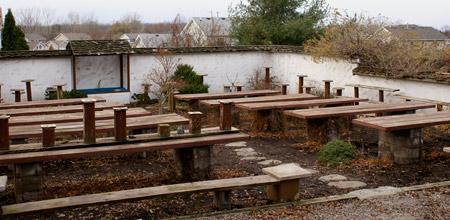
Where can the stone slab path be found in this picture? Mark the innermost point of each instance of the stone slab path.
(249, 154)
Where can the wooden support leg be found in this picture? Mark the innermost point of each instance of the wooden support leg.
(402, 146)
(195, 122)
(439, 107)
(174, 104)
(287, 190)
(225, 122)
(327, 88)
(28, 85)
(170, 104)
(339, 92)
(194, 164)
(356, 91)
(261, 120)
(4, 132)
(269, 121)
(89, 121)
(17, 95)
(48, 135)
(300, 83)
(164, 130)
(267, 78)
(222, 199)
(308, 90)
(59, 92)
(283, 89)
(28, 182)
(120, 124)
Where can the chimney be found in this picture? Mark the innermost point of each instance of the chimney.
(1, 18)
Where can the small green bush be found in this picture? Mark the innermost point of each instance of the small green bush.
(189, 76)
(67, 94)
(335, 153)
(142, 99)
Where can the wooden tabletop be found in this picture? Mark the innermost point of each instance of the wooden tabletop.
(298, 104)
(44, 103)
(57, 109)
(17, 90)
(373, 87)
(72, 117)
(27, 80)
(296, 97)
(357, 110)
(76, 128)
(408, 121)
(225, 95)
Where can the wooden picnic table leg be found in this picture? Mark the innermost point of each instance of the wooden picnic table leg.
(59, 92)
(284, 89)
(89, 121)
(327, 88)
(267, 77)
(356, 91)
(380, 99)
(174, 101)
(4, 132)
(28, 182)
(17, 95)
(120, 124)
(48, 135)
(225, 122)
(308, 90)
(300, 83)
(402, 146)
(28, 87)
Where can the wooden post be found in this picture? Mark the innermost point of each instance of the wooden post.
(195, 122)
(74, 72)
(170, 102)
(48, 135)
(284, 89)
(308, 89)
(28, 86)
(338, 90)
(381, 95)
(17, 94)
(327, 88)
(164, 130)
(4, 132)
(356, 91)
(225, 115)
(59, 90)
(89, 120)
(174, 101)
(239, 87)
(1, 84)
(300, 83)
(439, 107)
(267, 77)
(120, 124)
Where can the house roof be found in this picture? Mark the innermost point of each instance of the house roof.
(99, 47)
(153, 40)
(206, 23)
(131, 36)
(412, 31)
(34, 37)
(76, 36)
(33, 45)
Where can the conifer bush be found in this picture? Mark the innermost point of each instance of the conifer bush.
(335, 153)
(193, 85)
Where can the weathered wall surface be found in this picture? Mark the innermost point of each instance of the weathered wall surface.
(98, 71)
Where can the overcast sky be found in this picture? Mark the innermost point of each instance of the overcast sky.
(434, 13)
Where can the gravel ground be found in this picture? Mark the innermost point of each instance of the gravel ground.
(427, 204)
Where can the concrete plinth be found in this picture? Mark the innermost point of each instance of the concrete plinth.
(28, 182)
(194, 164)
(403, 146)
(222, 199)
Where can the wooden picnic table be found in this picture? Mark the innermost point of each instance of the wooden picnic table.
(56, 109)
(72, 117)
(381, 90)
(76, 128)
(296, 97)
(45, 103)
(323, 126)
(401, 136)
(193, 99)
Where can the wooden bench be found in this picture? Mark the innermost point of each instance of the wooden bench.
(46, 103)
(322, 127)
(439, 104)
(193, 99)
(401, 136)
(72, 117)
(283, 185)
(381, 90)
(297, 97)
(56, 109)
(3, 181)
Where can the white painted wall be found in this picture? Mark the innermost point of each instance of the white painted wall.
(94, 69)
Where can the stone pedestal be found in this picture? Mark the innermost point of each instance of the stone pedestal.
(402, 146)
(194, 164)
(28, 182)
(269, 121)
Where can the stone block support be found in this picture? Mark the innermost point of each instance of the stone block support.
(120, 124)
(402, 146)
(195, 122)
(300, 83)
(269, 121)
(28, 181)
(89, 120)
(164, 130)
(323, 130)
(225, 121)
(193, 105)
(222, 199)
(48, 135)
(194, 164)
(4, 132)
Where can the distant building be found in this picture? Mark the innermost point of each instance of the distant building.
(60, 42)
(208, 31)
(151, 40)
(130, 37)
(419, 35)
(36, 41)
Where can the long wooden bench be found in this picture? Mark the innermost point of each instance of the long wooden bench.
(193, 99)
(285, 178)
(321, 126)
(401, 136)
(439, 104)
(56, 109)
(46, 103)
(72, 117)
(76, 128)
(260, 99)
(381, 90)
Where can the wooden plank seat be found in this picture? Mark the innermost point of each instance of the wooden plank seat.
(76, 128)
(287, 187)
(72, 117)
(193, 99)
(401, 136)
(322, 125)
(439, 104)
(296, 97)
(46, 103)
(56, 109)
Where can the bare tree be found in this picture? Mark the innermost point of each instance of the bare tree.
(48, 18)
(29, 19)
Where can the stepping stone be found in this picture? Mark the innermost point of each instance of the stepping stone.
(287, 171)
(3, 180)
(247, 154)
(447, 149)
(332, 178)
(249, 149)
(269, 162)
(347, 184)
(253, 158)
(380, 191)
(237, 144)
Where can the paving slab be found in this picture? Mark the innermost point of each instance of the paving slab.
(447, 149)
(3, 180)
(247, 154)
(237, 144)
(287, 171)
(380, 191)
(269, 162)
(347, 184)
(332, 178)
(253, 158)
(248, 149)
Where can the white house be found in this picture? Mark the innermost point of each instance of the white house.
(208, 31)
(130, 37)
(60, 42)
(151, 40)
(36, 41)
(419, 35)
